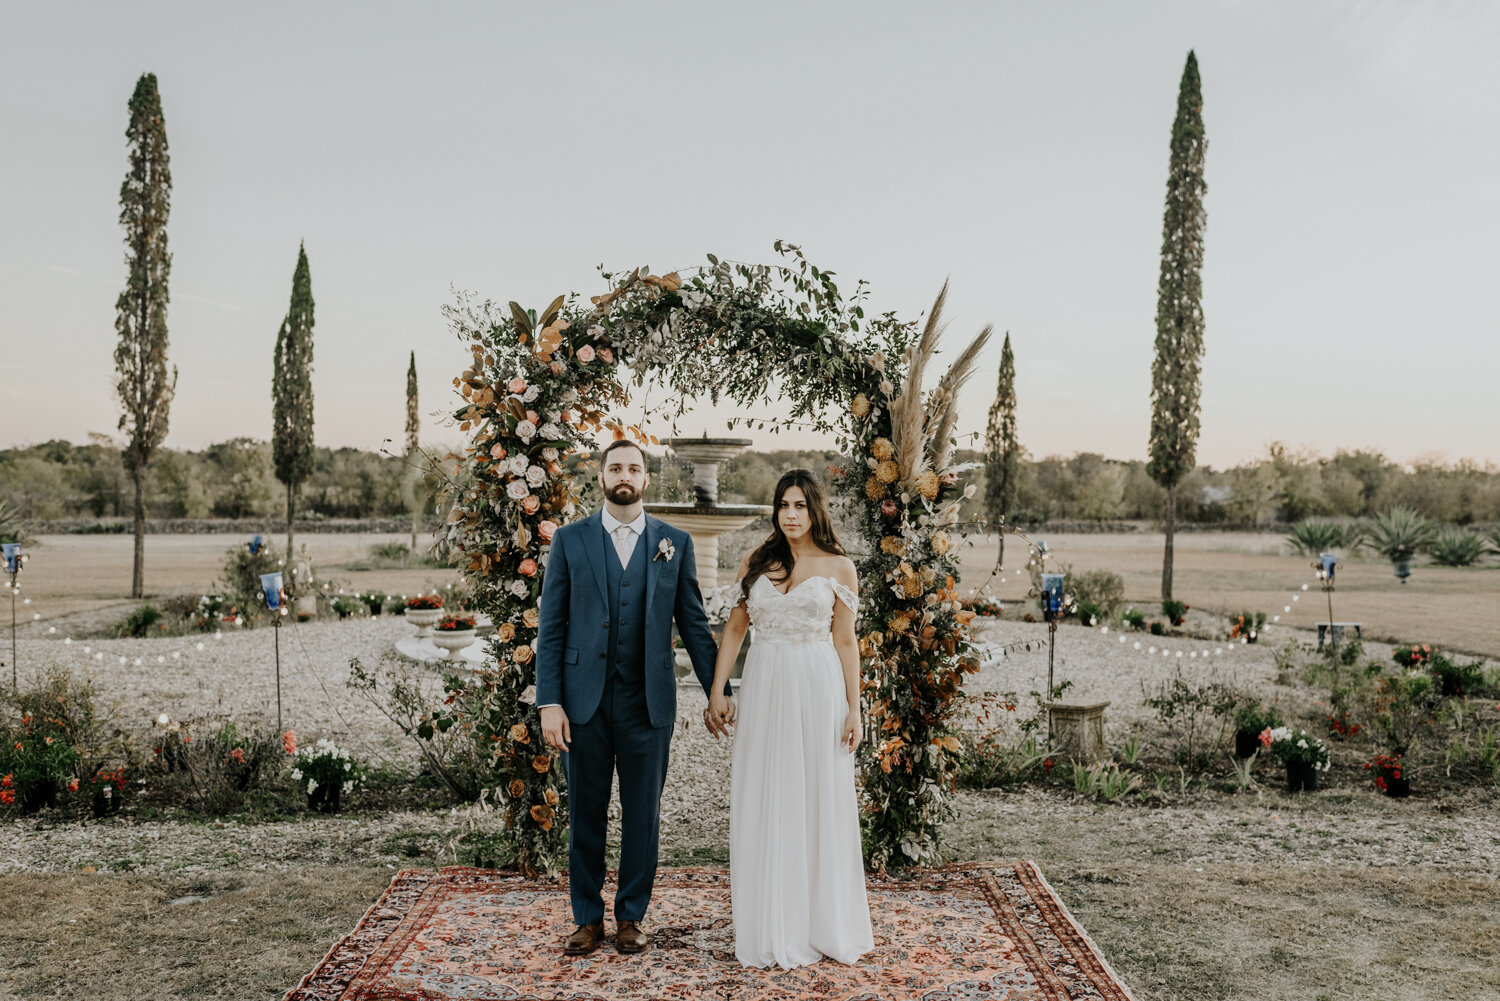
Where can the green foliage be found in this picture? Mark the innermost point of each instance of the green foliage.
(1253, 716)
(1401, 707)
(1104, 781)
(327, 773)
(213, 766)
(1103, 589)
(1196, 716)
(1175, 373)
(1135, 619)
(1455, 679)
(11, 529)
(242, 570)
(63, 734)
(1313, 536)
(140, 622)
(1401, 533)
(344, 606)
(1476, 754)
(1175, 611)
(1456, 547)
(990, 760)
(1298, 747)
(1003, 449)
(292, 449)
(1247, 626)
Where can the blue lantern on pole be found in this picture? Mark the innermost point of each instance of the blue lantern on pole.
(12, 557)
(255, 545)
(1328, 562)
(1052, 593)
(270, 583)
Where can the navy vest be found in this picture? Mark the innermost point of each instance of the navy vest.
(627, 600)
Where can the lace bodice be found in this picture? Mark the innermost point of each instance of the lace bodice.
(803, 614)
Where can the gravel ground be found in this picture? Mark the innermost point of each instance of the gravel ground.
(235, 674)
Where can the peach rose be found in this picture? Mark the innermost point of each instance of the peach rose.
(528, 567)
(585, 354)
(533, 417)
(531, 504)
(505, 632)
(520, 734)
(517, 788)
(517, 385)
(497, 451)
(531, 617)
(551, 797)
(545, 530)
(522, 654)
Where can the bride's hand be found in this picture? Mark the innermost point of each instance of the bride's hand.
(849, 738)
(720, 712)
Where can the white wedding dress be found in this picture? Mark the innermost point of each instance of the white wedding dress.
(797, 880)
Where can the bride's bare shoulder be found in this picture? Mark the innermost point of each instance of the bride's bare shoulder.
(840, 568)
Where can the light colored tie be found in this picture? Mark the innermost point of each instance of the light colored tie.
(624, 543)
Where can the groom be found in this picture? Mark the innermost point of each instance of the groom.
(606, 688)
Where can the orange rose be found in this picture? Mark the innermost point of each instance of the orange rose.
(541, 814)
(522, 654)
(551, 797)
(505, 632)
(545, 529)
(527, 567)
(517, 789)
(531, 617)
(520, 734)
(531, 415)
(497, 451)
(541, 763)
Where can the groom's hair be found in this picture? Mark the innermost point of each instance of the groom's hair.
(622, 443)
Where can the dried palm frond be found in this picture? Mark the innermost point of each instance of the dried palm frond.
(908, 415)
(946, 415)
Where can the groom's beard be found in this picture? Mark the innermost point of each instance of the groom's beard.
(623, 494)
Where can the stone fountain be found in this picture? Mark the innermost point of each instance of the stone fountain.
(705, 519)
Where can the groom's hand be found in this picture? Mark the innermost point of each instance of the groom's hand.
(555, 727)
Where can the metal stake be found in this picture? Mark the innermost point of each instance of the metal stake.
(276, 631)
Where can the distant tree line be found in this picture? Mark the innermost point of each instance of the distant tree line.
(230, 479)
(236, 479)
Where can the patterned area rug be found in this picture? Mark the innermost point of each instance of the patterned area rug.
(961, 932)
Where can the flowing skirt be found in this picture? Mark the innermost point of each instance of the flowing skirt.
(797, 880)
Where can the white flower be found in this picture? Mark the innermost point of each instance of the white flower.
(311, 785)
(536, 476)
(517, 489)
(531, 394)
(664, 551)
(569, 395)
(549, 454)
(1302, 743)
(518, 464)
(347, 766)
(551, 432)
(528, 696)
(109, 793)
(525, 430)
(296, 775)
(163, 720)
(595, 331)
(348, 786)
(520, 588)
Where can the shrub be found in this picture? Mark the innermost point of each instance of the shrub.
(1157, 629)
(37, 762)
(1400, 534)
(982, 606)
(214, 770)
(1299, 748)
(1457, 547)
(375, 601)
(139, 622)
(242, 572)
(346, 607)
(1312, 536)
(425, 601)
(1135, 619)
(1176, 611)
(1196, 716)
(1401, 708)
(1101, 588)
(1456, 679)
(1415, 656)
(1104, 782)
(1256, 718)
(62, 737)
(1090, 614)
(1247, 626)
(11, 528)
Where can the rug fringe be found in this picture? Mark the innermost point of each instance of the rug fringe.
(1077, 927)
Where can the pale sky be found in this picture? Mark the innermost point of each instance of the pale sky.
(1021, 149)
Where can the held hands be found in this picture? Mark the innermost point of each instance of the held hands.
(555, 727)
(719, 716)
(849, 738)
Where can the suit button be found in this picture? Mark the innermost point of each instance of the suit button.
(606, 623)
(601, 655)
(624, 603)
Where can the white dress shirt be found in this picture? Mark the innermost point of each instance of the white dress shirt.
(625, 534)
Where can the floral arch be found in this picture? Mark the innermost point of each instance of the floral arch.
(541, 386)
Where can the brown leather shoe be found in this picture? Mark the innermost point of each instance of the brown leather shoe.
(629, 937)
(584, 940)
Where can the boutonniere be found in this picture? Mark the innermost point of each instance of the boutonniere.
(664, 551)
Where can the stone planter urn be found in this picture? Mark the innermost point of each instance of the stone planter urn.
(1078, 731)
(452, 640)
(423, 618)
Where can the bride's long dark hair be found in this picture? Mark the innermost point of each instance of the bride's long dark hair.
(775, 554)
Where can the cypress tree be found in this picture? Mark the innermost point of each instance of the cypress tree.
(143, 387)
(1176, 371)
(291, 394)
(1003, 459)
(413, 431)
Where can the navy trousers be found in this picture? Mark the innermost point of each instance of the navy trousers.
(618, 737)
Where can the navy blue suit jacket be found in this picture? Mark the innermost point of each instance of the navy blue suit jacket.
(572, 647)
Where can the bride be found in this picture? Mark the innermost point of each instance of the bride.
(797, 881)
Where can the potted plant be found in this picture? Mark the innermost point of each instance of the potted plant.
(453, 633)
(375, 600)
(1400, 534)
(1246, 626)
(1390, 775)
(327, 772)
(1303, 754)
(1175, 611)
(1251, 720)
(423, 610)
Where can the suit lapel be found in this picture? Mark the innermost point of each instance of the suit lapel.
(593, 545)
(649, 540)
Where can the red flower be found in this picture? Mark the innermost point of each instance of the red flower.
(6, 782)
(289, 742)
(7, 796)
(73, 785)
